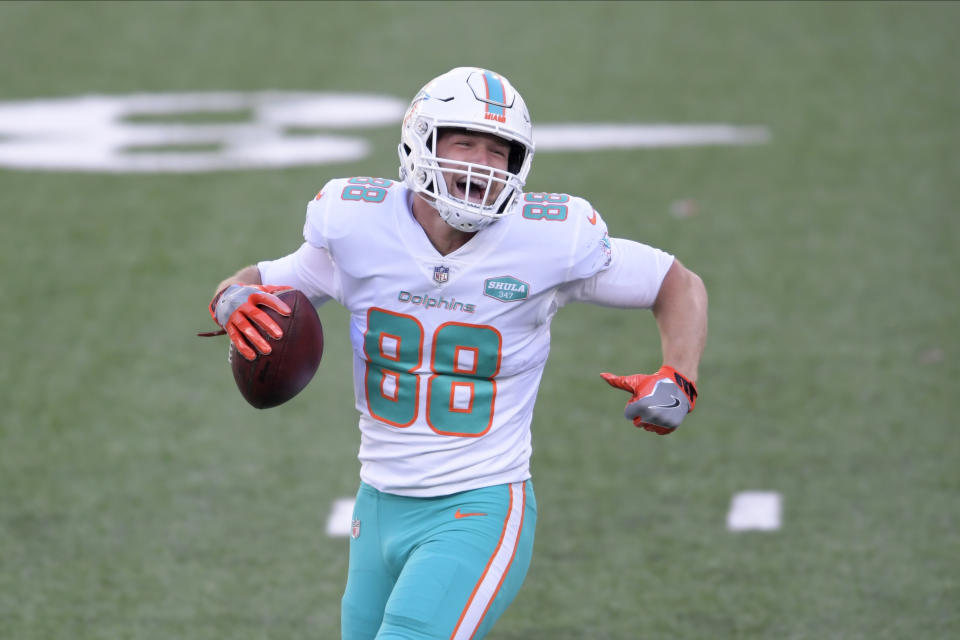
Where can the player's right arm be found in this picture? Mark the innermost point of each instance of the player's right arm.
(247, 275)
(237, 301)
(236, 307)
(236, 304)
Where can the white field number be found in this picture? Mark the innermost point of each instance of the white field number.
(103, 134)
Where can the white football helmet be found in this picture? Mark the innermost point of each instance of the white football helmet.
(476, 100)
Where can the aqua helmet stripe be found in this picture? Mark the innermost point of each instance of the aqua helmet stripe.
(496, 96)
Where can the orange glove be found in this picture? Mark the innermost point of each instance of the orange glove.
(236, 310)
(658, 402)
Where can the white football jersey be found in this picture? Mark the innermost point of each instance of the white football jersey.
(448, 349)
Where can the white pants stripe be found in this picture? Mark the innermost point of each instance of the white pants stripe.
(496, 569)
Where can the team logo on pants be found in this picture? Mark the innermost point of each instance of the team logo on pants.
(355, 528)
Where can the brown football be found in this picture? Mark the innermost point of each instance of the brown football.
(270, 380)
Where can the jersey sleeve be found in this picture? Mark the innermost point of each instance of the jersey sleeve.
(316, 226)
(631, 279)
(309, 269)
(591, 251)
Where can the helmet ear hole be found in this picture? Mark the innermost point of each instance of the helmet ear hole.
(517, 154)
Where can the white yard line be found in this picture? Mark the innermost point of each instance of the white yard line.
(101, 133)
(588, 137)
(341, 514)
(755, 511)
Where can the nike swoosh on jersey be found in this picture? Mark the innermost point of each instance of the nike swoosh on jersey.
(466, 515)
(593, 219)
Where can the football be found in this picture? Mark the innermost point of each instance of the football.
(270, 380)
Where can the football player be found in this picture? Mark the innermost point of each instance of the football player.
(451, 276)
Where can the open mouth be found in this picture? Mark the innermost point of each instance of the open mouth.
(470, 190)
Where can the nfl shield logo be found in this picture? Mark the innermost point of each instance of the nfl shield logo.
(355, 529)
(441, 274)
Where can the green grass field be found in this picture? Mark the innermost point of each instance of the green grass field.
(141, 498)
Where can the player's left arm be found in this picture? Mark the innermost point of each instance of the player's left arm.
(659, 402)
(621, 273)
(681, 313)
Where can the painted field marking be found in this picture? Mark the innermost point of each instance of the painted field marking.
(755, 511)
(589, 137)
(341, 513)
(160, 132)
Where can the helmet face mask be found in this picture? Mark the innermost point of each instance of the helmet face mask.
(476, 101)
